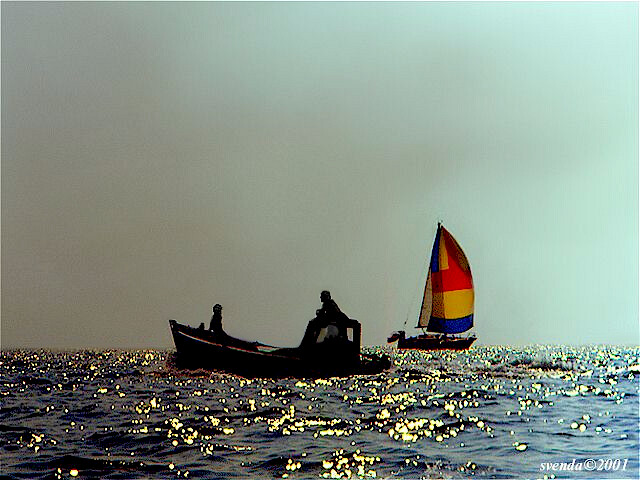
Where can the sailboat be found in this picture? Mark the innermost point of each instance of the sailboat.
(447, 303)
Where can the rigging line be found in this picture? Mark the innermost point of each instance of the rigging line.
(411, 305)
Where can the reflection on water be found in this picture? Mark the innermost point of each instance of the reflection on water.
(492, 412)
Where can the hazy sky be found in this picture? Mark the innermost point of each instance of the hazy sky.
(158, 158)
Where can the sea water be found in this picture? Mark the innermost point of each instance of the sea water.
(490, 412)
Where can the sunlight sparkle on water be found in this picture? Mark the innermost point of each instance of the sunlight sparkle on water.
(435, 414)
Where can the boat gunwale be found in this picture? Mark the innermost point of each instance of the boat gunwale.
(257, 352)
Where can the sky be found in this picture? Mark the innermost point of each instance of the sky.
(158, 158)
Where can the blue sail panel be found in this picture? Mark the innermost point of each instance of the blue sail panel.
(450, 325)
(435, 253)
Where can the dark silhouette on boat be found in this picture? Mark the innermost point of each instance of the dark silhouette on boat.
(330, 347)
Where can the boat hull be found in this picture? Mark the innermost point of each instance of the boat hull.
(432, 342)
(197, 348)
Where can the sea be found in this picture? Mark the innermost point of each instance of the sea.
(491, 412)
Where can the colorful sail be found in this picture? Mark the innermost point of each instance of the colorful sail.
(447, 305)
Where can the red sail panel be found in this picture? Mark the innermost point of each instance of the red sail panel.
(456, 274)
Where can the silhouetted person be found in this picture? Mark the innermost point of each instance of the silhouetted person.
(221, 337)
(330, 318)
(216, 320)
(330, 310)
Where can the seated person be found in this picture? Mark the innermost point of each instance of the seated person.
(329, 324)
(221, 337)
(330, 310)
(216, 320)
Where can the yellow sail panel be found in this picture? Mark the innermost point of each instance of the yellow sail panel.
(453, 304)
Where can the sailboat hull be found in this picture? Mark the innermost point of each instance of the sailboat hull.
(434, 342)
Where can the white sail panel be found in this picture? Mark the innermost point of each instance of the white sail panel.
(427, 303)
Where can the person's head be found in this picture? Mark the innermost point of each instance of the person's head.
(325, 295)
(217, 308)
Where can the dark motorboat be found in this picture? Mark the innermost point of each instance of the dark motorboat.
(328, 349)
(447, 303)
